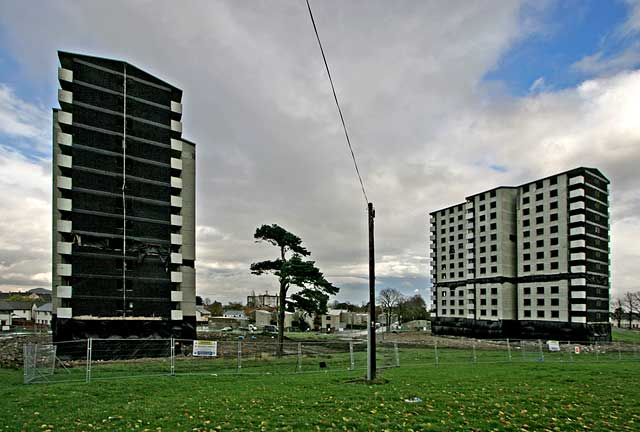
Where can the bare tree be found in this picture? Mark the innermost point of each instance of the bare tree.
(630, 301)
(618, 311)
(389, 300)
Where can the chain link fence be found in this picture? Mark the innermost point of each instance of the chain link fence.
(99, 359)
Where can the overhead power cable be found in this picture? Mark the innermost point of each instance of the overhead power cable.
(335, 97)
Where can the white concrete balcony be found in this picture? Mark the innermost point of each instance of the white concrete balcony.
(176, 201)
(176, 126)
(578, 256)
(432, 254)
(176, 107)
(577, 218)
(579, 307)
(65, 161)
(176, 182)
(470, 224)
(176, 239)
(577, 231)
(65, 312)
(468, 205)
(176, 145)
(64, 291)
(471, 297)
(470, 255)
(432, 228)
(64, 269)
(176, 220)
(576, 205)
(176, 277)
(176, 315)
(176, 164)
(578, 294)
(64, 248)
(64, 204)
(64, 226)
(65, 74)
(65, 118)
(469, 216)
(65, 97)
(578, 269)
(577, 243)
(176, 258)
(470, 246)
(470, 316)
(582, 320)
(176, 296)
(578, 282)
(576, 193)
(64, 182)
(576, 180)
(470, 236)
(64, 139)
(471, 266)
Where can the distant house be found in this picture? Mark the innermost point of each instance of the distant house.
(339, 319)
(234, 313)
(5, 316)
(262, 318)
(263, 300)
(43, 314)
(202, 316)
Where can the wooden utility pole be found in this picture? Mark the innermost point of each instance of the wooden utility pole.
(371, 346)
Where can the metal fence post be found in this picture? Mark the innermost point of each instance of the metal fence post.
(299, 365)
(239, 365)
(509, 350)
(89, 349)
(172, 353)
(597, 352)
(522, 349)
(397, 354)
(435, 348)
(540, 350)
(351, 359)
(475, 358)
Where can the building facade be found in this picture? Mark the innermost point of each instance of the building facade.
(263, 300)
(525, 261)
(123, 205)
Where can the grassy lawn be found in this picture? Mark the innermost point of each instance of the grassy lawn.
(625, 335)
(520, 396)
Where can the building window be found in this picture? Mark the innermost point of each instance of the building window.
(553, 205)
(525, 200)
(525, 212)
(526, 268)
(539, 243)
(483, 249)
(525, 188)
(460, 274)
(482, 218)
(554, 241)
(553, 229)
(494, 291)
(483, 270)
(494, 258)
(483, 302)
(494, 237)
(539, 231)
(493, 226)
(527, 302)
(553, 217)
(492, 216)
(539, 184)
(540, 267)
(494, 248)
(483, 260)
(526, 257)
(540, 314)
(540, 255)
(555, 302)
(526, 233)
(553, 192)
(483, 228)
(494, 312)
(483, 239)
(540, 220)
(525, 245)
(527, 314)
(540, 290)
(539, 196)
(482, 208)
(553, 180)
(526, 290)
(554, 265)
(555, 314)
(483, 312)
(526, 222)
(555, 290)
(540, 302)
(539, 208)
(494, 302)
(492, 204)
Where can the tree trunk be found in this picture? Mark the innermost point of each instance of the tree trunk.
(281, 310)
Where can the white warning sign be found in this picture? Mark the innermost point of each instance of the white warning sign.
(205, 348)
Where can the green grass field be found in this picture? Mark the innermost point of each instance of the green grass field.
(483, 397)
(625, 335)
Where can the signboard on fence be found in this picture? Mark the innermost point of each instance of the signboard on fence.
(205, 348)
(553, 345)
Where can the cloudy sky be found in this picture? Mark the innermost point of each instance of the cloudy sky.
(442, 99)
